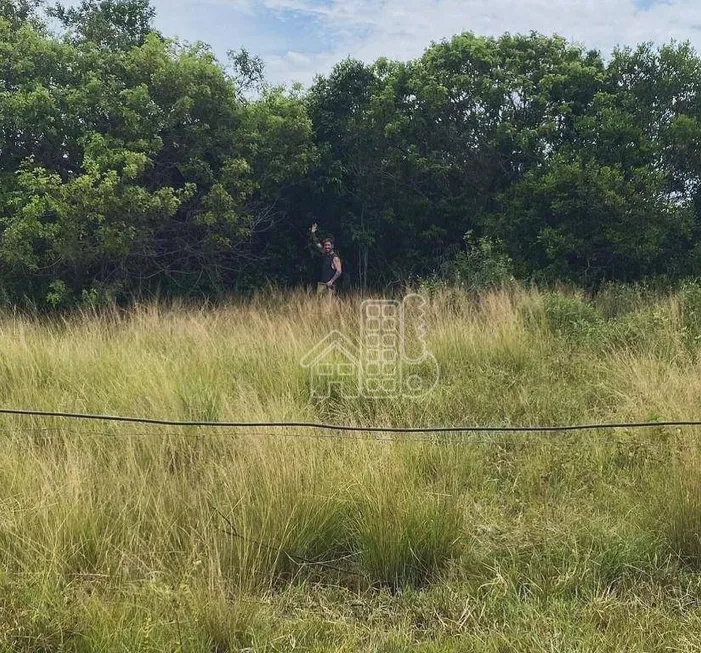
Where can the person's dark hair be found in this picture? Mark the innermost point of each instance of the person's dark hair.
(327, 240)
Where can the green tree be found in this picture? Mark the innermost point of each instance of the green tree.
(585, 222)
(120, 24)
(417, 154)
(130, 169)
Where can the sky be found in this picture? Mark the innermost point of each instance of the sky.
(298, 39)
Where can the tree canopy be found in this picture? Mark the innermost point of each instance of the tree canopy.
(132, 164)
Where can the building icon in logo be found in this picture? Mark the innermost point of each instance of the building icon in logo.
(381, 365)
(380, 348)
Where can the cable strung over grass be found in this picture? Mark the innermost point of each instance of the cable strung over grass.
(339, 427)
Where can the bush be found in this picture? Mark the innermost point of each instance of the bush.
(572, 316)
(615, 299)
(483, 265)
(651, 329)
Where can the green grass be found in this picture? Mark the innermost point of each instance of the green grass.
(117, 537)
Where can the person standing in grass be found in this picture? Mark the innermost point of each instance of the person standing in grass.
(331, 268)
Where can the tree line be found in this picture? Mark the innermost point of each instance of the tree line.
(131, 164)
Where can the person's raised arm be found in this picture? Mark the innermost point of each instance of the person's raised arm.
(315, 238)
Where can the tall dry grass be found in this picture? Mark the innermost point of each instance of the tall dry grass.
(134, 537)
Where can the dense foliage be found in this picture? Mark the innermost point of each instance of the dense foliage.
(131, 164)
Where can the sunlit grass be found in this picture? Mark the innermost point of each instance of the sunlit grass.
(136, 537)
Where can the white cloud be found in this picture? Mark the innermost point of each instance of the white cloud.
(297, 58)
(298, 67)
(402, 29)
(244, 6)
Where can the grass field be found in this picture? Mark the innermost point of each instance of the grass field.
(117, 537)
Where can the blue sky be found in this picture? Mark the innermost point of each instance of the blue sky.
(300, 38)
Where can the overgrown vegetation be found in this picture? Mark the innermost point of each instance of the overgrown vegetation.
(131, 165)
(116, 536)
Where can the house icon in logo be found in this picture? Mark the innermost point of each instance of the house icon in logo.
(385, 364)
(333, 363)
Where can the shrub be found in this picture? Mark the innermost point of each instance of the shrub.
(482, 265)
(572, 316)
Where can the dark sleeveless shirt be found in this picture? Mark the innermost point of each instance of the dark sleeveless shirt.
(327, 269)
